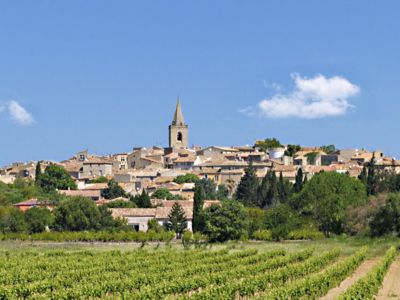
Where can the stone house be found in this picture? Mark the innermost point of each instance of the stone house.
(97, 167)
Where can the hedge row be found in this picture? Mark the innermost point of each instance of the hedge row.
(91, 236)
(300, 234)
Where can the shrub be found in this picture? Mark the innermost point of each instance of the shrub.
(263, 235)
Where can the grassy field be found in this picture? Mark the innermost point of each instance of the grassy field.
(377, 246)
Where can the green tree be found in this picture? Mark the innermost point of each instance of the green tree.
(256, 217)
(268, 190)
(100, 179)
(269, 143)
(292, 149)
(153, 225)
(177, 221)
(56, 177)
(228, 221)
(121, 204)
(285, 189)
(247, 189)
(281, 219)
(298, 184)
(162, 193)
(113, 191)
(142, 200)
(222, 192)
(187, 178)
(363, 175)
(38, 219)
(311, 157)
(77, 213)
(198, 218)
(209, 188)
(38, 174)
(387, 218)
(326, 196)
(12, 220)
(328, 149)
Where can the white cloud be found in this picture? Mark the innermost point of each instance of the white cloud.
(19, 114)
(311, 98)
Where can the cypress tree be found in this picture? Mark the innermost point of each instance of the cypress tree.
(363, 175)
(199, 197)
(247, 189)
(38, 174)
(298, 184)
(272, 195)
(284, 189)
(371, 177)
(144, 200)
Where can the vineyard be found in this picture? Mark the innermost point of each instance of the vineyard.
(187, 274)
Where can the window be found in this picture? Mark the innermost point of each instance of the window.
(179, 137)
(136, 227)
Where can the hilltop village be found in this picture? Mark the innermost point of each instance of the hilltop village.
(155, 170)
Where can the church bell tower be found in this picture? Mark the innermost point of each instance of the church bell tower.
(178, 130)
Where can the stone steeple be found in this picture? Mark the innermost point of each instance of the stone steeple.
(178, 130)
(178, 116)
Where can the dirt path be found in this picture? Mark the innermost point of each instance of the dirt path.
(345, 284)
(391, 284)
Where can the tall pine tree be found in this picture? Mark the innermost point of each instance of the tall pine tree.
(247, 189)
(284, 189)
(198, 218)
(267, 194)
(177, 220)
(298, 184)
(38, 174)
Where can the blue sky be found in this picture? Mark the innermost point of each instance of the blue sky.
(105, 75)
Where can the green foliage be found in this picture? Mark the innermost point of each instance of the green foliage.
(247, 189)
(305, 234)
(92, 236)
(113, 191)
(270, 143)
(326, 197)
(12, 220)
(318, 284)
(56, 177)
(80, 213)
(263, 235)
(311, 157)
(280, 220)
(38, 174)
(387, 217)
(163, 193)
(209, 188)
(298, 184)
(256, 217)
(153, 225)
(227, 221)
(368, 286)
(187, 178)
(177, 221)
(284, 189)
(100, 179)
(121, 204)
(357, 219)
(38, 219)
(267, 192)
(222, 192)
(142, 200)
(292, 149)
(19, 191)
(198, 199)
(328, 149)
